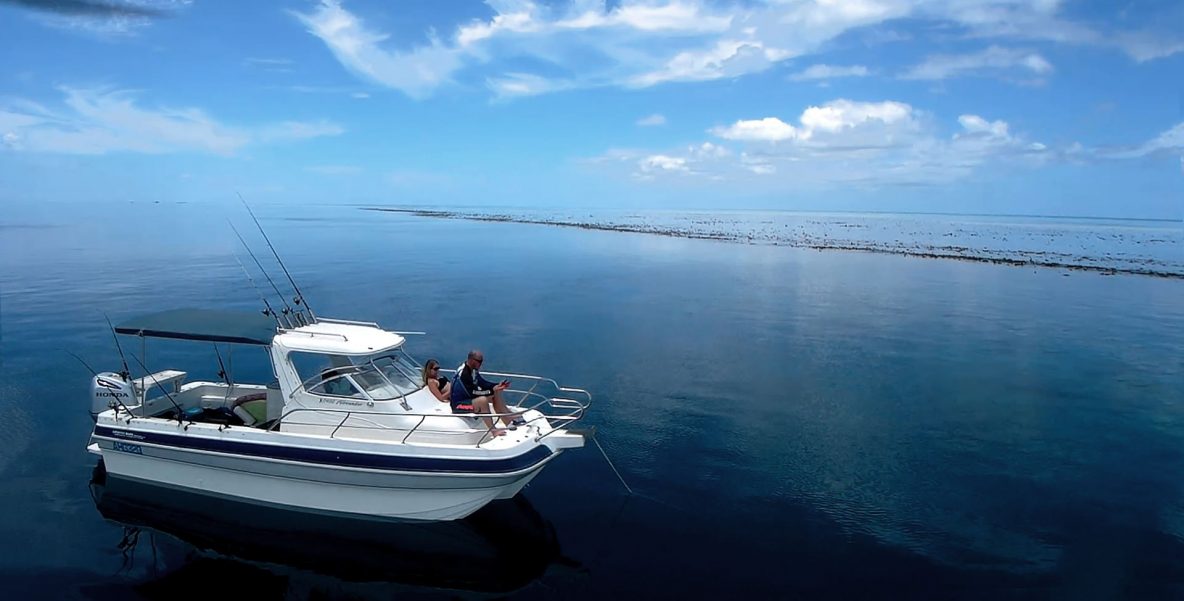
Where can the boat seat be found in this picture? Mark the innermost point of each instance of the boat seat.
(162, 379)
(251, 408)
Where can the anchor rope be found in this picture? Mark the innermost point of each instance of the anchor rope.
(610, 464)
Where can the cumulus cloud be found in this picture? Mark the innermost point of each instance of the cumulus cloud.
(846, 142)
(975, 125)
(661, 162)
(829, 118)
(822, 71)
(991, 60)
(845, 114)
(529, 47)
(102, 121)
(768, 129)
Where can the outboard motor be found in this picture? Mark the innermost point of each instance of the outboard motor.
(108, 390)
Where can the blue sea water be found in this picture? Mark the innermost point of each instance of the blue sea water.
(794, 423)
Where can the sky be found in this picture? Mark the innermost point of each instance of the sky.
(1035, 107)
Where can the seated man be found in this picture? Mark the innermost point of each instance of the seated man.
(472, 393)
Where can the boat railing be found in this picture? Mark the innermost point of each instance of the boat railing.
(349, 322)
(570, 407)
(560, 412)
(314, 334)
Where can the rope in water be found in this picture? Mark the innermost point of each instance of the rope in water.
(610, 464)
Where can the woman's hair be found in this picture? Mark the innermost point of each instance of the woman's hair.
(427, 369)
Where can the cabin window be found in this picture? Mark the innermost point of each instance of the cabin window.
(383, 377)
(336, 384)
(327, 375)
(394, 374)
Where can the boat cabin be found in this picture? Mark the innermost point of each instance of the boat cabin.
(324, 365)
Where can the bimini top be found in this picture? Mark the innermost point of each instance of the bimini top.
(239, 327)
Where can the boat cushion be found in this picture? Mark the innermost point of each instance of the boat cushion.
(252, 412)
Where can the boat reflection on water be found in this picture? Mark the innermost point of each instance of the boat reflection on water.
(500, 548)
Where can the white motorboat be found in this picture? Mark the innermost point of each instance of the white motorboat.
(346, 427)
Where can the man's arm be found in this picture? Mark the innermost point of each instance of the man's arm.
(480, 387)
(483, 383)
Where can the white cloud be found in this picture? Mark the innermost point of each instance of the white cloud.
(519, 21)
(674, 16)
(822, 71)
(1145, 46)
(834, 116)
(993, 59)
(708, 150)
(530, 47)
(661, 162)
(652, 120)
(769, 129)
(727, 58)
(1170, 141)
(973, 124)
(848, 142)
(102, 121)
(844, 114)
(416, 73)
(524, 84)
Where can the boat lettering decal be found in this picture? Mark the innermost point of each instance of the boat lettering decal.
(124, 447)
(336, 457)
(113, 389)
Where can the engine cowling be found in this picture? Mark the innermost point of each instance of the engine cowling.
(109, 390)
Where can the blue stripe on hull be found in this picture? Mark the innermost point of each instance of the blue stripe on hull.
(332, 457)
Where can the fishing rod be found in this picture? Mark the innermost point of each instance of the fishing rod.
(222, 367)
(84, 363)
(150, 376)
(268, 311)
(287, 308)
(126, 373)
(299, 296)
(225, 375)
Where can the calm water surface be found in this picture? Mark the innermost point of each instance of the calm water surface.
(794, 423)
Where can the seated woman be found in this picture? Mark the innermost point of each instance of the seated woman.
(439, 385)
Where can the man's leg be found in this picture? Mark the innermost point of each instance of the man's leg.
(500, 406)
(481, 405)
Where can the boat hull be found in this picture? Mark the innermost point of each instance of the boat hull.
(388, 487)
(502, 547)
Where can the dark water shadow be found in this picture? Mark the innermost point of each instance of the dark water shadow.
(501, 548)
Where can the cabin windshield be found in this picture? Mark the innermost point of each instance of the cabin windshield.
(387, 376)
